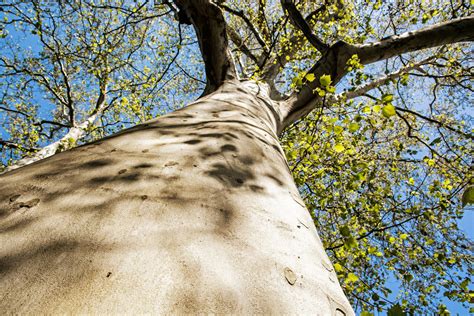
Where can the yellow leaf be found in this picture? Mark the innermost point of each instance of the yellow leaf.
(310, 77)
(331, 89)
(337, 267)
(325, 80)
(387, 98)
(351, 277)
(338, 129)
(388, 110)
(339, 148)
(124, 101)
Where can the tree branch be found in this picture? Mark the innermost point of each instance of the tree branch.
(252, 28)
(297, 19)
(210, 26)
(359, 91)
(12, 145)
(434, 121)
(240, 44)
(333, 62)
(459, 30)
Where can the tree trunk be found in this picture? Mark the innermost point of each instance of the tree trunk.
(193, 212)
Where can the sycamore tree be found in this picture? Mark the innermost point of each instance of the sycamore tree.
(360, 108)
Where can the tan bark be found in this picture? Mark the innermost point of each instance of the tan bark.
(194, 212)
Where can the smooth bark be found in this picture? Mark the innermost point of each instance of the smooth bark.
(195, 212)
(210, 27)
(333, 62)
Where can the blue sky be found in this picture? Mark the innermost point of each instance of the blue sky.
(27, 40)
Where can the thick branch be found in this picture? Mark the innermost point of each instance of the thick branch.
(459, 30)
(209, 23)
(333, 62)
(297, 19)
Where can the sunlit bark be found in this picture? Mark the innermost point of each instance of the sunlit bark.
(194, 212)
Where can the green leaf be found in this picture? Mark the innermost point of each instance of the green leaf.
(404, 79)
(350, 242)
(396, 310)
(468, 196)
(408, 277)
(325, 80)
(353, 127)
(387, 98)
(310, 77)
(345, 231)
(388, 110)
(339, 148)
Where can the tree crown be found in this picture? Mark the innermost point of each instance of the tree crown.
(373, 99)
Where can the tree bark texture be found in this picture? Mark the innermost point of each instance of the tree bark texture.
(194, 212)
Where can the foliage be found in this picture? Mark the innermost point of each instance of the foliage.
(106, 63)
(382, 165)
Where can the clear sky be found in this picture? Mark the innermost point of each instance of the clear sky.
(27, 41)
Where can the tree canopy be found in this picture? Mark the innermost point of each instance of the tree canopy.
(378, 132)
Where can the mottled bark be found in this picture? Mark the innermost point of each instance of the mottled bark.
(194, 212)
